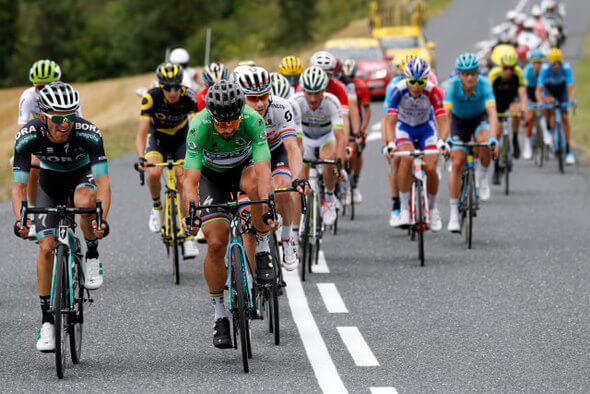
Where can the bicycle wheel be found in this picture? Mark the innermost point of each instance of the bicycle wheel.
(469, 210)
(273, 299)
(420, 222)
(175, 241)
(305, 237)
(60, 303)
(507, 162)
(76, 317)
(239, 304)
(560, 152)
(351, 205)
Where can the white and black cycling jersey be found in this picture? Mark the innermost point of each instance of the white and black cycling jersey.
(280, 122)
(322, 120)
(296, 116)
(28, 106)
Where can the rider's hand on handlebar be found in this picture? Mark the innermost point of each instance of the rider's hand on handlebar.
(443, 147)
(103, 232)
(139, 165)
(494, 145)
(301, 185)
(194, 229)
(22, 232)
(388, 150)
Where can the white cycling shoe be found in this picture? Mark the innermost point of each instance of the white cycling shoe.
(454, 225)
(290, 259)
(93, 274)
(404, 218)
(329, 212)
(357, 196)
(435, 220)
(190, 248)
(570, 159)
(393, 218)
(484, 189)
(46, 338)
(155, 223)
(201, 237)
(527, 153)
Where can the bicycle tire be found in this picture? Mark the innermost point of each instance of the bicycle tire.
(240, 306)
(560, 152)
(469, 213)
(59, 303)
(420, 222)
(273, 301)
(352, 204)
(335, 225)
(304, 244)
(175, 241)
(507, 163)
(76, 319)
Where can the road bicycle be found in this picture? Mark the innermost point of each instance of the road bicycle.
(503, 163)
(173, 234)
(240, 274)
(419, 209)
(538, 138)
(68, 293)
(558, 132)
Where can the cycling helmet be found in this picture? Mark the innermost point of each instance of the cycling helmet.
(253, 80)
(179, 56)
(349, 67)
(536, 55)
(338, 69)
(417, 68)
(467, 61)
(520, 19)
(225, 101)
(251, 63)
(58, 96)
(214, 72)
(406, 59)
(324, 60)
(549, 5)
(511, 15)
(529, 23)
(279, 85)
(290, 66)
(169, 74)
(536, 10)
(555, 55)
(509, 59)
(44, 71)
(314, 79)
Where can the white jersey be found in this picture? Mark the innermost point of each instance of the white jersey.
(296, 116)
(28, 106)
(321, 121)
(188, 79)
(280, 122)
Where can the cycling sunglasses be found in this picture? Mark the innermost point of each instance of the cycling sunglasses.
(416, 82)
(170, 87)
(554, 64)
(59, 119)
(39, 85)
(511, 68)
(473, 71)
(261, 97)
(293, 78)
(224, 125)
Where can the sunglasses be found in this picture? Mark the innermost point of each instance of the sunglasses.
(261, 97)
(224, 125)
(59, 119)
(293, 78)
(554, 64)
(511, 68)
(537, 60)
(170, 87)
(473, 71)
(39, 85)
(416, 82)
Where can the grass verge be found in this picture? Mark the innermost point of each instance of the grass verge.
(580, 122)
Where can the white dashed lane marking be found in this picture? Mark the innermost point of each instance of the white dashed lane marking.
(322, 266)
(383, 390)
(357, 347)
(332, 298)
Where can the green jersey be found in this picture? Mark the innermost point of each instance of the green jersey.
(205, 147)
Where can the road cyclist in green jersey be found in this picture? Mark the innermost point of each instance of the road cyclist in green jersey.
(73, 171)
(227, 152)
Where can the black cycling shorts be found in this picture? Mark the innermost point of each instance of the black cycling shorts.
(56, 188)
(530, 93)
(464, 129)
(166, 146)
(279, 161)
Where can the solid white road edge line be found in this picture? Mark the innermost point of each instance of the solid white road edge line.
(383, 390)
(322, 266)
(332, 298)
(357, 347)
(317, 352)
(374, 136)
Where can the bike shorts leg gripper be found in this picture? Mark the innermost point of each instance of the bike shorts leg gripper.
(214, 217)
(48, 232)
(87, 185)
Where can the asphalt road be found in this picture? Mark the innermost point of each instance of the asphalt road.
(512, 314)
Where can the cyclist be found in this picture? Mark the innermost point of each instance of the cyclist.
(410, 114)
(285, 156)
(227, 152)
(469, 98)
(352, 82)
(510, 92)
(290, 68)
(323, 131)
(556, 81)
(161, 134)
(190, 77)
(73, 170)
(41, 73)
(531, 74)
(212, 72)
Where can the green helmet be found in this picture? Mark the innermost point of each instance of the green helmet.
(44, 71)
(314, 79)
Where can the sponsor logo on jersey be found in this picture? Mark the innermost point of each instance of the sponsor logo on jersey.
(25, 131)
(191, 145)
(262, 135)
(240, 141)
(87, 127)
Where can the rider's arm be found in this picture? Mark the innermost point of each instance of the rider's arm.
(294, 155)
(541, 83)
(570, 81)
(103, 193)
(355, 117)
(390, 121)
(366, 117)
(142, 132)
(523, 97)
(20, 170)
(493, 119)
(190, 187)
(338, 126)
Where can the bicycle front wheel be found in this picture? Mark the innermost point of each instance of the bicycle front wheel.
(76, 317)
(175, 241)
(240, 302)
(560, 152)
(60, 303)
(305, 239)
(420, 222)
(469, 210)
(507, 162)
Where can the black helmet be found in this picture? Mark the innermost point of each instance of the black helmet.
(225, 101)
(169, 74)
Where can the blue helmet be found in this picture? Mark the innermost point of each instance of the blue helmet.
(467, 61)
(536, 54)
(417, 68)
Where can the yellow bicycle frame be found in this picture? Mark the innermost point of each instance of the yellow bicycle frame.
(171, 187)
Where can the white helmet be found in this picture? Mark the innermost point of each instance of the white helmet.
(520, 19)
(512, 14)
(314, 79)
(60, 97)
(529, 23)
(279, 85)
(536, 10)
(179, 56)
(252, 80)
(324, 60)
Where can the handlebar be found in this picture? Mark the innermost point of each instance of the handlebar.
(60, 209)
(417, 153)
(314, 163)
(168, 163)
(293, 190)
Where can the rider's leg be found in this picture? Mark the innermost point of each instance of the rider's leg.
(284, 202)
(548, 100)
(404, 176)
(432, 180)
(566, 128)
(33, 180)
(154, 176)
(458, 159)
(179, 171)
(328, 152)
(44, 274)
(217, 233)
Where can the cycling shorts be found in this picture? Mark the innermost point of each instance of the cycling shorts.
(558, 92)
(311, 145)
(165, 146)
(463, 129)
(423, 136)
(279, 161)
(503, 102)
(218, 188)
(530, 93)
(55, 189)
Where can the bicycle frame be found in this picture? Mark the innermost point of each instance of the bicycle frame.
(419, 177)
(171, 194)
(65, 235)
(236, 240)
